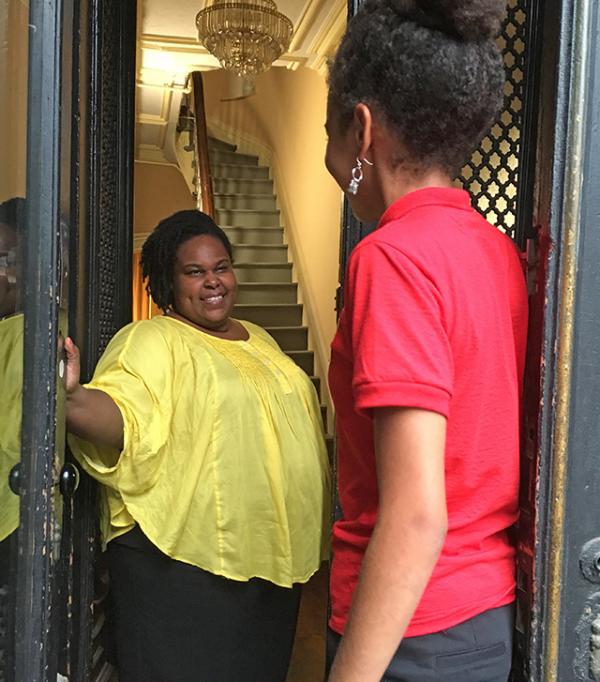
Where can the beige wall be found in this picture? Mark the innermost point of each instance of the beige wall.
(159, 191)
(13, 109)
(284, 123)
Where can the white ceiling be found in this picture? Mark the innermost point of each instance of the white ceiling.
(169, 50)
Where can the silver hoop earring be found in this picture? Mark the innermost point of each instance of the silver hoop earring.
(357, 176)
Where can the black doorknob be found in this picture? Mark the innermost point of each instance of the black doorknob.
(69, 480)
(14, 479)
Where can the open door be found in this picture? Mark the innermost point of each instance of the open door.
(44, 35)
(66, 73)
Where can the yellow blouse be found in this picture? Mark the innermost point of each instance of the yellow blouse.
(11, 397)
(224, 463)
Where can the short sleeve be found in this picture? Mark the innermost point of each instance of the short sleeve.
(400, 346)
(135, 372)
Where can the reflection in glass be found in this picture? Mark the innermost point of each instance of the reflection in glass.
(11, 392)
(14, 19)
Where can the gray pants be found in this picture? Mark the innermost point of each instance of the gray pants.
(478, 650)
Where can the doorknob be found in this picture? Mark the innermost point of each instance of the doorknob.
(14, 479)
(69, 480)
(67, 484)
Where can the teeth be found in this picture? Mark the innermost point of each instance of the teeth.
(214, 299)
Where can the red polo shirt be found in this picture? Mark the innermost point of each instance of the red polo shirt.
(435, 317)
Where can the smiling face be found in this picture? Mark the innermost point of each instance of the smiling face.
(204, 284)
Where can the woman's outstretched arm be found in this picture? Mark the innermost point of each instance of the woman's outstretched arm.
(91, 414)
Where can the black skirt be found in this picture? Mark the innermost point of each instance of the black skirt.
(177, 623)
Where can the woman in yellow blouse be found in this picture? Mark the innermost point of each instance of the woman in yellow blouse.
(208, 442)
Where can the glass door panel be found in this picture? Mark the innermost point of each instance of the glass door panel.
(14, 45)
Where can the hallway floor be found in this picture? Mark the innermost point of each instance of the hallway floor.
(308, 658)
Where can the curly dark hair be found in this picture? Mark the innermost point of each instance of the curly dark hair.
(160, 250)
(430, 68)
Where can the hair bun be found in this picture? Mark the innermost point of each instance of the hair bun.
(469, 20)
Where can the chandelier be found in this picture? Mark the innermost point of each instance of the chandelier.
(245, 36)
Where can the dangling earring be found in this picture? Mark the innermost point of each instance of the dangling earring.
(357, 176)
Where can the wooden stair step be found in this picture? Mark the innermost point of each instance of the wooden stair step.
(304, 359)
(215, 143)
(247, 202)
(259, 236)
(246, 186)
(228, 157)
(234, 170)
(271, 253)
(288, 314)
(241, 217)
(290, 338)
(267, 292)
(263, 272)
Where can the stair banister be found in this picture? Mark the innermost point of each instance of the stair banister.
(204, 184)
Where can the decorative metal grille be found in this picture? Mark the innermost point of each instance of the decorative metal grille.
(109, 169)
(492, 174)
(111, 268)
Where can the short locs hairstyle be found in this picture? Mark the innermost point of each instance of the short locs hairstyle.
(160, 250)
(430, 68)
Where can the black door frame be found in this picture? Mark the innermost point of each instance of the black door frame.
(101, 296)
(48, 143)
(79, 209)
(563, 436)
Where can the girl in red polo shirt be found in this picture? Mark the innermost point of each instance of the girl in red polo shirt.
(427, 363)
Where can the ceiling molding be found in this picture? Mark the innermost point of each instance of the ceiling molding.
(177, 43)
(291, 61)
(305, 23)
(173, 56)
(327, 39)
(205, 61)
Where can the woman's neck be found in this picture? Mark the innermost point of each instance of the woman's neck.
(231, 329)
(396, 185)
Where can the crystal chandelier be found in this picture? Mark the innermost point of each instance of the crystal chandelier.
(246, 36)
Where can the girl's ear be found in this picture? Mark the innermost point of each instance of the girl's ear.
(363, 129)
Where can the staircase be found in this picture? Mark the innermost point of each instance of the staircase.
(246, 209)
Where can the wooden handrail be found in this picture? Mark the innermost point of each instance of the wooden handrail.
(203, 174)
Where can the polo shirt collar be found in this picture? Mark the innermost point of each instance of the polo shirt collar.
(449, 197)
